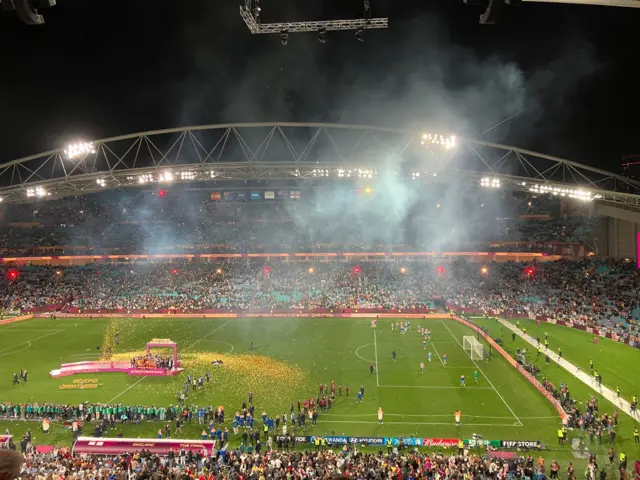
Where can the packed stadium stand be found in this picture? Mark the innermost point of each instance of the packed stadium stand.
(590, 293)
(189, 221)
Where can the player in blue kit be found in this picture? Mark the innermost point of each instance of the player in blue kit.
(462, 384)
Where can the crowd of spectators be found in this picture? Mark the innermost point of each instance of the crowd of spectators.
(328, 463)
(586, 293)
(190, 222)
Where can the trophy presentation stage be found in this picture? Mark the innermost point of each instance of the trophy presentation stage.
(128, 367)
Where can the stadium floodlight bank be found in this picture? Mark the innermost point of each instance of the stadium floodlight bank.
(473, 347)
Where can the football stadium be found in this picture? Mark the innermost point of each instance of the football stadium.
(247, 296)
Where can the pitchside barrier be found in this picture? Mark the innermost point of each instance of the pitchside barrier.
(88, 316)
(15, 319)
(119, 446)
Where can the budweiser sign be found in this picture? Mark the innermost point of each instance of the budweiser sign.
(440, 442)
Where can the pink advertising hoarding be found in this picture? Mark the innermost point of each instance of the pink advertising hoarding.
(117, 446)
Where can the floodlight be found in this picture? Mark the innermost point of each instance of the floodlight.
(102, 182)
(78, 150)
(490, 182)
(36, 192)
(447, 143)
(190, 175)
(311, 270)
(145, 178)
(165, 177)
(484, 270)
(218, 271)
(403, 270)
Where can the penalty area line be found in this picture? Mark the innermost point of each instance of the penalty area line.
(439, 357)
(483, 374)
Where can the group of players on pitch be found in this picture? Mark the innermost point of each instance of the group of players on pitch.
(425, 333)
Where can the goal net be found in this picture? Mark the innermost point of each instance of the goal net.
(473, 347)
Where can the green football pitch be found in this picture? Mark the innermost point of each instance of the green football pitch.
(292, 356)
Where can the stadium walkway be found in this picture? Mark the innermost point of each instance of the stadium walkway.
(585, 377)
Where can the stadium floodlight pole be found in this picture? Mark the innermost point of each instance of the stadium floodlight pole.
(250, 13)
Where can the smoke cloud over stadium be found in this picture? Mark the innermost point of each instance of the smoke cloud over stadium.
(422, 79)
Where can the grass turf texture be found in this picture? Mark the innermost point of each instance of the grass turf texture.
(617, 363)
(577, 340)
(306, 352)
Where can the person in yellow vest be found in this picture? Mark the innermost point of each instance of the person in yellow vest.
(323, 443)
(460, 447)
(316, 442)
(380, 415)
(623, 461)
(560, 436)
(636, 434)
(389, 446)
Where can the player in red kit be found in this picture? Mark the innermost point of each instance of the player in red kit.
(346, 387)
(340, 390)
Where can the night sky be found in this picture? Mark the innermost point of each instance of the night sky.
(103, 68)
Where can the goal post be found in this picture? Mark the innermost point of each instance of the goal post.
(473, 347)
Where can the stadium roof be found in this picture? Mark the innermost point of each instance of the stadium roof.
(303, 152)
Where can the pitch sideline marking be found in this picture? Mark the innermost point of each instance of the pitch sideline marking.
(448, 415)
(437, 387)
(29, 341)
(375, 347)
(362, 358)
(429, 423)
(483, 374)
(188, 347)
